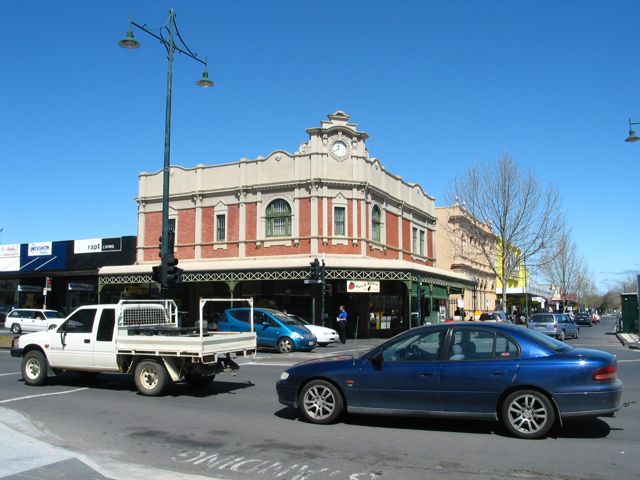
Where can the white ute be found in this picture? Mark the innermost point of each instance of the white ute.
(134, 336)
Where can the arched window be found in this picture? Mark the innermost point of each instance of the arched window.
(278, 219)
(376, 223)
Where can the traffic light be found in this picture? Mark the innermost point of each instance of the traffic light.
(156, 276)
(172, 272)
(314, 270)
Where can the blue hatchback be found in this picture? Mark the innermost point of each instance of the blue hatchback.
(491, 371)
(273, 329)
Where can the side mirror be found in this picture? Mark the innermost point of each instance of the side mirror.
(266, 324)
(53, 326)
(377, 358)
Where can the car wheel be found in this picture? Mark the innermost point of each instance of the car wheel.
(528, 414)
(577, 333)
(561, 337)
(322, 344)
(16, 328)
(285, 345)
(34, 368)
(151, 378)
(320, 402)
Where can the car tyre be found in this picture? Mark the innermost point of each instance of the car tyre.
(16, 328)
(34, 368)
(528, 414)
(320, 402)
(577, 333)
(285, 345)
(151, 378)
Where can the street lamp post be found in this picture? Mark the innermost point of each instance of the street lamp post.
(129, 42)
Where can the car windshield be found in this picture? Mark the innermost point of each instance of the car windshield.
(299, 319)
(284, 318)
(549, 342)
(541, 319)
(53, 314)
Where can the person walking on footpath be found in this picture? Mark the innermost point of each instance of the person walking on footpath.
(342, 324)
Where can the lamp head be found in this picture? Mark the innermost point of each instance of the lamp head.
(632, 137)
(204, 81)
(129, 41)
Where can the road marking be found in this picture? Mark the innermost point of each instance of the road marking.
(270, 364)
(6, 374)
(42, 395)
(625, 361)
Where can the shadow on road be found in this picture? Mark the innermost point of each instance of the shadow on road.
(124, 382)
(579, 428)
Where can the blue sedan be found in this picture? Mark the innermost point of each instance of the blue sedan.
(527, 380)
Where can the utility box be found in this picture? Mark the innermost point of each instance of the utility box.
(629, 313)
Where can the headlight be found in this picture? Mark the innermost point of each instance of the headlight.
(296, 335)
(284, 375)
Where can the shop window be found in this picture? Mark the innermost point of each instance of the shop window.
(278, 219)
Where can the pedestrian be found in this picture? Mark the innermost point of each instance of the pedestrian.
(342, 324)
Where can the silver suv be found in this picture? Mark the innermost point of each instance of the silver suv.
(558, 325)
(30, 319)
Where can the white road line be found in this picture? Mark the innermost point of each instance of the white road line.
(6, 374)
(625, 361)
(42, 395)
(270, 364)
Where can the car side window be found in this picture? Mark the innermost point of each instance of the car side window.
(478, 344)
(243, 315)
(105, 327)
(81, 321)
(419, 347)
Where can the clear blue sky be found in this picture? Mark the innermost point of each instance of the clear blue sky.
(438, 85)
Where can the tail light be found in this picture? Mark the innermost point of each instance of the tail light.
(610, 372)
(555, 325)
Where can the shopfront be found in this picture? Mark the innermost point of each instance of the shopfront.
(60, 275)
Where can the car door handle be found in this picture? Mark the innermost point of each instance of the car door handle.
(426, 374)
(86, 340)
(498, 374)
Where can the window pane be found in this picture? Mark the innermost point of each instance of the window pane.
(220, 227)
(278, 219)
(375, 224)
(421, 251)
(338, 221)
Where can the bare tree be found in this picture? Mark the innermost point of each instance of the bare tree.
(525, 217)
(565, 269)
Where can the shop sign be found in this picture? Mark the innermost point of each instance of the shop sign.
(29, 288)
(40, 249)
(81, 287)
(97, 245)
(10, 258)
(10, 251)
(359, 286)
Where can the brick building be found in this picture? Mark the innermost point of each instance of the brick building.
(251, 228)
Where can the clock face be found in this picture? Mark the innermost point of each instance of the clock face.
(339, 150)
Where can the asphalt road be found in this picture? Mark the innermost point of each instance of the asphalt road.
(236, 429)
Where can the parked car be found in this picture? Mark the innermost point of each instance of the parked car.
(583, 319)
(494, 317)
(324, 335)
(273, 328)
(30, 319)
(492, 371)
(558, 325)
